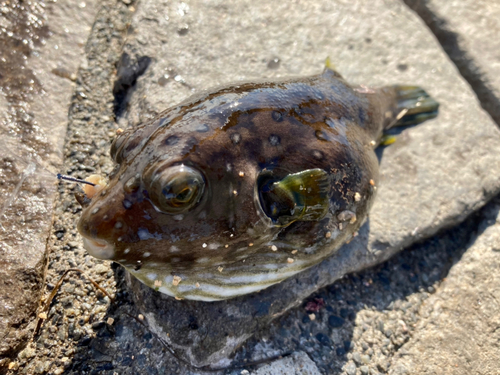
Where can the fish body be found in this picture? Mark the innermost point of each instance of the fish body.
(240, 188)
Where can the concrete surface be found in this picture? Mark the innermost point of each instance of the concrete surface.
(41, 47)
(419, 192)
(468, 31)
(459, 331)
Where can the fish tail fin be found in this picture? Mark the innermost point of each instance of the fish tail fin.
(412, 106)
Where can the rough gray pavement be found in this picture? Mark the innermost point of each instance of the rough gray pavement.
(459, 331)
(358, 324)
(41, 47)
(468, 31)
(433, 177)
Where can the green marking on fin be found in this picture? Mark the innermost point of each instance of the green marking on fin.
(414, 105)
(302, 196)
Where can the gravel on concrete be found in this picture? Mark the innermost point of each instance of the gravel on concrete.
(459, 329)
(41, 48)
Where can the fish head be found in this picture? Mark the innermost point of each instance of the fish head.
(178, 198)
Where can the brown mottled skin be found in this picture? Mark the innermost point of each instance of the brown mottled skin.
(231, 135)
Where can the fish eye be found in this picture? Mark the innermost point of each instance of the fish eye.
(175, 189)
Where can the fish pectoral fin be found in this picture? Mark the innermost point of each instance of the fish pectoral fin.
(302, 196)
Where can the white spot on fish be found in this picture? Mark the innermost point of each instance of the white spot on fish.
(144, 234)
(94, 211)
(204, 245)
(174, 249)
(126, 251)
(213, 246)
(118, 224)
(146, 254)
(178, 217)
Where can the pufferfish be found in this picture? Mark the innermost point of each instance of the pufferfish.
(239, 188)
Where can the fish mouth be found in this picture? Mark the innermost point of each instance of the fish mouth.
(99, 248)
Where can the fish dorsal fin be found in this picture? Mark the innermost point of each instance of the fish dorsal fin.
(330, 68)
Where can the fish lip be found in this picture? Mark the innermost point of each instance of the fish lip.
(99, 248)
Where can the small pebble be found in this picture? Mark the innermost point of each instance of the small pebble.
(357, 358)
(97, 325)
(350, 368)
(335, 321)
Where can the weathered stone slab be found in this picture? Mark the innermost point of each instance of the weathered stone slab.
(296, 364)
(468, 31)
(459, 332)
(433, 177)
(41, 48)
